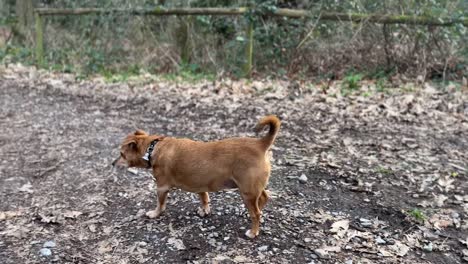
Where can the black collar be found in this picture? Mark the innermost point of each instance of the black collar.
(150, 149)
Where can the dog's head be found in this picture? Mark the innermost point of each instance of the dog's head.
(132, 150)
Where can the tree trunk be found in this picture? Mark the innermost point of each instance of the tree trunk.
(24, 13)
(4, 9)
(183, 39)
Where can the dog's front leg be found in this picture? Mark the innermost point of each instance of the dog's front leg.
(162, 195)
(204, 210)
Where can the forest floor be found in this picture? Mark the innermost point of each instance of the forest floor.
(384, 176)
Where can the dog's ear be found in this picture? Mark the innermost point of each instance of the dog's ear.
(140, 132)
(131, 144)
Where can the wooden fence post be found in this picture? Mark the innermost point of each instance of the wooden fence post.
(39, 40)
(249, 49)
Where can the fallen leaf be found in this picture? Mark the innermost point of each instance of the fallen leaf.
(241, 259)
(92, 228)
(72, 214)
(15, 231)
(9, 214)
(440, 221)
(464, 241)
(340, 227)
(446, 183)
(177, 243)
(385, 253)
(49, 219)
(107, 230)
(399, 248)
(440, 199)
(27, 188)
(104, 247)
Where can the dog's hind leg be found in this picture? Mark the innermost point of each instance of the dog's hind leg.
(251, 202)
(204, 210)
(262, 200)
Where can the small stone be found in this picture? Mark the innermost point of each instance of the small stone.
(307, 239)
(263, 248)
(142, 243)
(49, 244)
(303, 178)
(365, 222)
(366, 200)
(133, 171)
(428, 247)
(321, 253)
(45, 252)
(349, 261)
(380, 241)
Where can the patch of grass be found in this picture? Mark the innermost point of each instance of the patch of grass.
(381, 85)
(15, 54)
(418, 215)
(267, 90)
(191, 73)
(383, 170)
(351, 82)
(408, 88)
(366, 94)
(380, 73)
(121, 76)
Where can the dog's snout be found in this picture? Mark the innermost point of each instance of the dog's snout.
(115, 161)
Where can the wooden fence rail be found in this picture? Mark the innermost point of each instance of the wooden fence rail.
(281, 12)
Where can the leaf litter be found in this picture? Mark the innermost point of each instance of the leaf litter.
(369, 161)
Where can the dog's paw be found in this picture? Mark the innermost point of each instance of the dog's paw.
(202, 212)
(251, 234)
(153, 214)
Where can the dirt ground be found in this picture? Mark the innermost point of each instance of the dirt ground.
(366, 178)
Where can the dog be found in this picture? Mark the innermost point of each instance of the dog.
(201, 167)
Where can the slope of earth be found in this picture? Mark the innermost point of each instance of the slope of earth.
(377, 179)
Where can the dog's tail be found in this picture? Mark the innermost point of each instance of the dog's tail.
(274, 124)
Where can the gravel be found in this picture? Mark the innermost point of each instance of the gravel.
(45, 252)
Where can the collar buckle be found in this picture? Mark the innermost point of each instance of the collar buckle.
(149, 151)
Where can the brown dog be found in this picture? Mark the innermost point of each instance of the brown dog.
(202, 167)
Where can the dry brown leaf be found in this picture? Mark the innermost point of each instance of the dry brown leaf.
(385, 253)
(92, 228)
(176, 243)
(9, 214)
(440, 221)
(340, 228)
(399, 249)
(104, 247)
(27, 188)
(72, 214)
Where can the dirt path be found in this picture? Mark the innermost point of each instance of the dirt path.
(386, 174)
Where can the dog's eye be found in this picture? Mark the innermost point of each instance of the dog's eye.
(122, 155)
